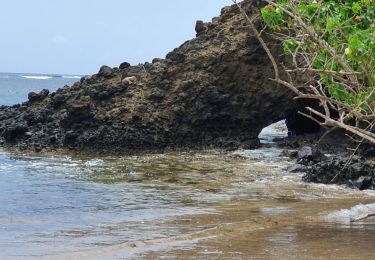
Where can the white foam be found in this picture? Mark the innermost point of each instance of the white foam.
(94, 163)
(370, 192)
(71, 77)
(349, 215)
(37, 77)
(259, 154)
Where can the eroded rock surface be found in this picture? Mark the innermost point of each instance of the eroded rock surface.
(213, 90)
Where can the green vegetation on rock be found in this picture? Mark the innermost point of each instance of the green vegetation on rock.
(334, 41)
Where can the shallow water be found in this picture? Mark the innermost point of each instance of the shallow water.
(51, 204)
(177, 204)
(189, 204)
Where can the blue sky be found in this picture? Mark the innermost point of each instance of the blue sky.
(78, 36)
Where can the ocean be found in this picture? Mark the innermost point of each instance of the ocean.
(14, 87)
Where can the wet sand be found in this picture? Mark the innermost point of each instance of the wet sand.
(286, 228)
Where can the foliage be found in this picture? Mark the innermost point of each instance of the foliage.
(333, 41)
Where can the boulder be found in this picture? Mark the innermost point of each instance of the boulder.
(199, 27)
(124, 65)
(305, 152)
(105, 71)
(32, 96)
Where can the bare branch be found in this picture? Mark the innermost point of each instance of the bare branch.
(256, 33)
(367, 135)
(359, 111)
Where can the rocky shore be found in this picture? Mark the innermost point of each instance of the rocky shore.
(332, 159)
(212, 91)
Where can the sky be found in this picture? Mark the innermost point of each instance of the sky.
(78, 36)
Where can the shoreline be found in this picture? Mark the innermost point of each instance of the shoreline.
(213, 91)
(320, 162)
(231, 231)
(332, 159)
(254, 206)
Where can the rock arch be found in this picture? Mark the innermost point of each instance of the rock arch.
(213, 90)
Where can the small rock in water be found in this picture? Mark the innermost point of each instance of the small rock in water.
(296, 168)
(289, 153)
(362, 183)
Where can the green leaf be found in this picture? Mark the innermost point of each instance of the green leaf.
(290, 45)
(357, 8)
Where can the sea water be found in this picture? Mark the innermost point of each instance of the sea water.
(14, 87)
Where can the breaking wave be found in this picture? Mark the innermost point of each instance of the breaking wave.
(37, 77)
(353, 214)
(70, 77)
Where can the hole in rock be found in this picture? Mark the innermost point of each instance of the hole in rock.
(298, 124)
(275, 130)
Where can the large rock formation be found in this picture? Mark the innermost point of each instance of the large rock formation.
(213, 90)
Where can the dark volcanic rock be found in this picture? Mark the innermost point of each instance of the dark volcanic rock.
(330, 159)
(105, 71)
(357, 174)
(32, 96)
(213, 90)
(199, 27)
(15, 131)
(124, 65)
(289, 153)
(305, 153)
(294, 168)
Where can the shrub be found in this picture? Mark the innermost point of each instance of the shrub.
(333, 42)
